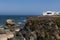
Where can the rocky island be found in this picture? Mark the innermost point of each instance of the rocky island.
(35, 28)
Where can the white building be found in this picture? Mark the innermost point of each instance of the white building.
(51, 13)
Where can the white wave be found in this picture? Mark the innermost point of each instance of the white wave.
(19, 22)
(24, 20)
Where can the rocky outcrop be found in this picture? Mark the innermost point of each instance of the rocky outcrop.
(8, 30)
(43, 28)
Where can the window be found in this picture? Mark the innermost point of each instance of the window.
(49, 13)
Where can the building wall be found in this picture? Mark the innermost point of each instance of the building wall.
(52, 13)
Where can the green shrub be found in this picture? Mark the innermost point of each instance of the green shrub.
(58, 21)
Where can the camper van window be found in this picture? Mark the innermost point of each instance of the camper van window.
(48, 13)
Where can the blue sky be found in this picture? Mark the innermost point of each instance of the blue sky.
(28, 7)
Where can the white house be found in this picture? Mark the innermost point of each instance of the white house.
(50, 13)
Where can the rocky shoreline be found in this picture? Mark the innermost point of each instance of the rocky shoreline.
(36, 28)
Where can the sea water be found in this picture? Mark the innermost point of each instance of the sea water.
(17, 18)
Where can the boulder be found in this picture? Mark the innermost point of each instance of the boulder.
(10, 21)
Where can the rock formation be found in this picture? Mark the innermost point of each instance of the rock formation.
(9, 30)
(45, 27)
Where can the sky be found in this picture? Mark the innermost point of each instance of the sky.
(28, 7)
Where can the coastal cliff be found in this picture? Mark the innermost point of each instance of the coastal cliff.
(44, 27)
(35, 28)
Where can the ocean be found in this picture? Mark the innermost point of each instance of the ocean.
(21, 19)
